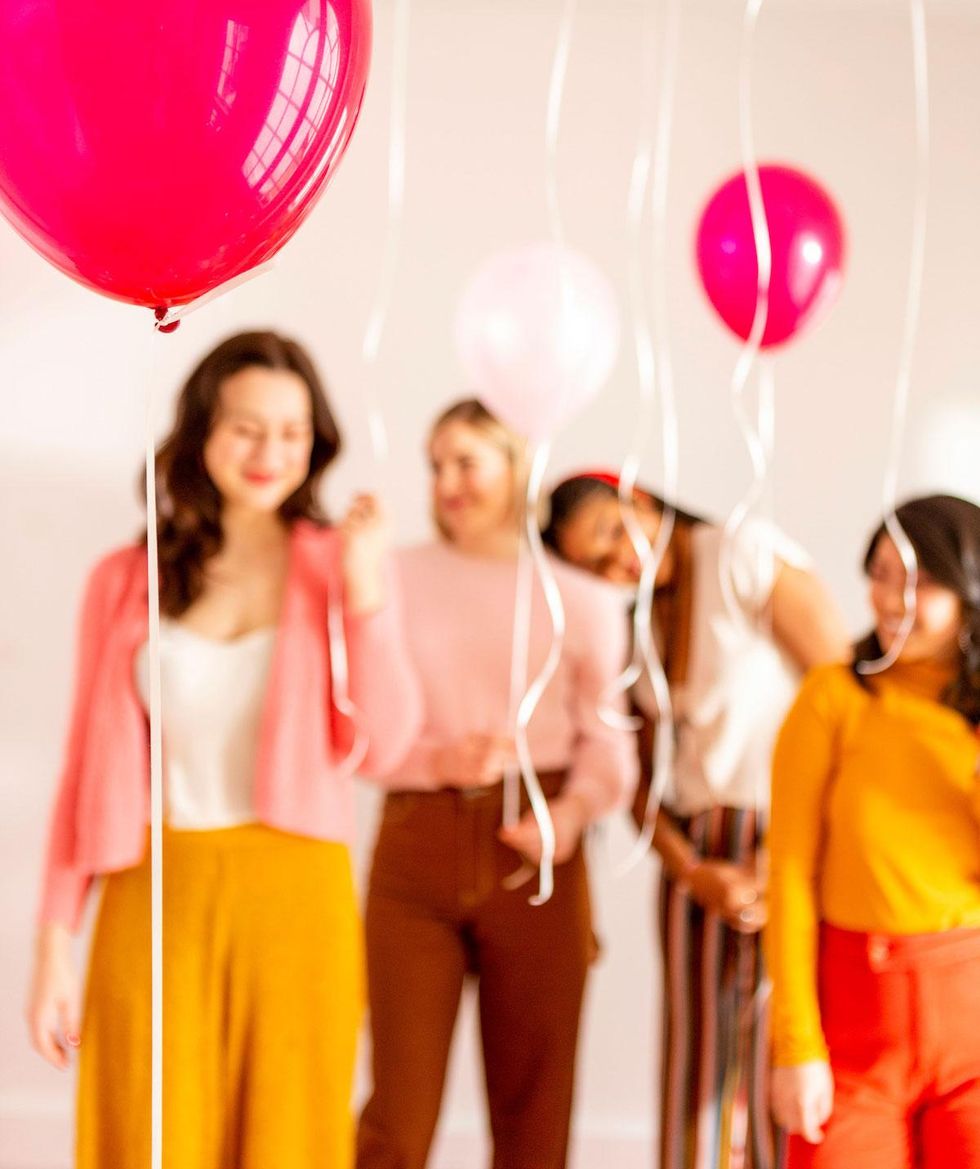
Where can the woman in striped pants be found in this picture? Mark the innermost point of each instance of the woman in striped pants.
(732, 676)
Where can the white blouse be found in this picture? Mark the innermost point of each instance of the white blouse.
(740, 683)
(212, 694)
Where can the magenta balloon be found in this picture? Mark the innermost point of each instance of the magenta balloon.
(154, 149)
(807, 238)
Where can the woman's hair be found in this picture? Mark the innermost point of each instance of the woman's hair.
(189, 504)
(572, 493)
(945, 533)
(472, 413)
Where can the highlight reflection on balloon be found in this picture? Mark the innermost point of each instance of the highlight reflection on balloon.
(807, 238)
(155, 151)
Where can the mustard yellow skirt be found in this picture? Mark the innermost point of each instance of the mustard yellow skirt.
(263, 997)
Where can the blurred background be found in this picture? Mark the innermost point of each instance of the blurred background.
(832, 94)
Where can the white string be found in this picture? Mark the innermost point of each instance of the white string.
(766, 430)
(655, 374)
(538, 560)
(763, 249)
(374, 331)
(370, 349)
(532, 696)
(520, 645)
(337, 640)
(174, 315)
(913, 304)
(156, 791)
(758, 433)
(556, 93)
(340, 684)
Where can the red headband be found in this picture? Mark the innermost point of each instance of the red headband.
(606, 477)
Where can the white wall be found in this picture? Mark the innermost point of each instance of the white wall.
(832, 95)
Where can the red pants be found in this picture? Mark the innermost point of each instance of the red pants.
(902, 1020)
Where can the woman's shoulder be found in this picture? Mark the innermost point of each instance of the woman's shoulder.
(118, 565)
(831, 689)
(425, 560)
(314, 533)
(315, 549)
(755, 535)
(114, 576)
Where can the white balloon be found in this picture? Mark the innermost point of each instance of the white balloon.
(537, 331)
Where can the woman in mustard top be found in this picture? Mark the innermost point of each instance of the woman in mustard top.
(874, 936)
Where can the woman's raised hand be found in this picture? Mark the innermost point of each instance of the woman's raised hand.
(365, 536)
(54, 1007)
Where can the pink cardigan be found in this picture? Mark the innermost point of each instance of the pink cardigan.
(102, 806)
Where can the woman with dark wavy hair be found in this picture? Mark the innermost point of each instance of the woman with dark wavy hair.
(875, 890)
(262, 951)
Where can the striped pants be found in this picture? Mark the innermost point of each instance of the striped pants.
(714, 1081)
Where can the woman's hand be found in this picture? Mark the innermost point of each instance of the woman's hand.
(803, 1098)
(569, 821)
(364, 533)
(474, 761)
(732, 891)
(53, 1011)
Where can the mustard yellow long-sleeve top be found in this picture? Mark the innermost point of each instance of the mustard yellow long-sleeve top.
(875, 827)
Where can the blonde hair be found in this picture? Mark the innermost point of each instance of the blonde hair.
(472, 413)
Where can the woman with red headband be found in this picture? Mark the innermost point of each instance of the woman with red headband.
(732, 675)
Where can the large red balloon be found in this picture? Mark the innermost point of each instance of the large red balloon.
(154, 149)
(807, 238)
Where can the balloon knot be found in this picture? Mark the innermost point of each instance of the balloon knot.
(161, 315)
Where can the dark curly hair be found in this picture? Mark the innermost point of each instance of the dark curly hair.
(945, 533)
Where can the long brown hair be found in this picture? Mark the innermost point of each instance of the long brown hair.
(945, 533)
(189, 504)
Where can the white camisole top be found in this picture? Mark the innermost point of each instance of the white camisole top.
(212, 694)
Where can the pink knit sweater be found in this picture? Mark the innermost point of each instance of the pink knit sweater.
(460, 613)
(301, 783)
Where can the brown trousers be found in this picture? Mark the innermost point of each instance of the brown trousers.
(436, 911)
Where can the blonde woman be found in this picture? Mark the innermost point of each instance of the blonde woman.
(438, 909)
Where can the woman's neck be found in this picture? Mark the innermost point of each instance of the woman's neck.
(248, 532)
(499, 544)
(926, 676)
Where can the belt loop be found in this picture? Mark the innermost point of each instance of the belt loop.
(879, 951)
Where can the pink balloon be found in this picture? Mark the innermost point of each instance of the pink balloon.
(807, 238)
(537, 333)
(154, 149)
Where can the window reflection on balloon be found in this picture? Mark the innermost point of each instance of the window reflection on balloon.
(154, 154)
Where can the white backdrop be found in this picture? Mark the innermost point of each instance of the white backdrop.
(832, 94)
